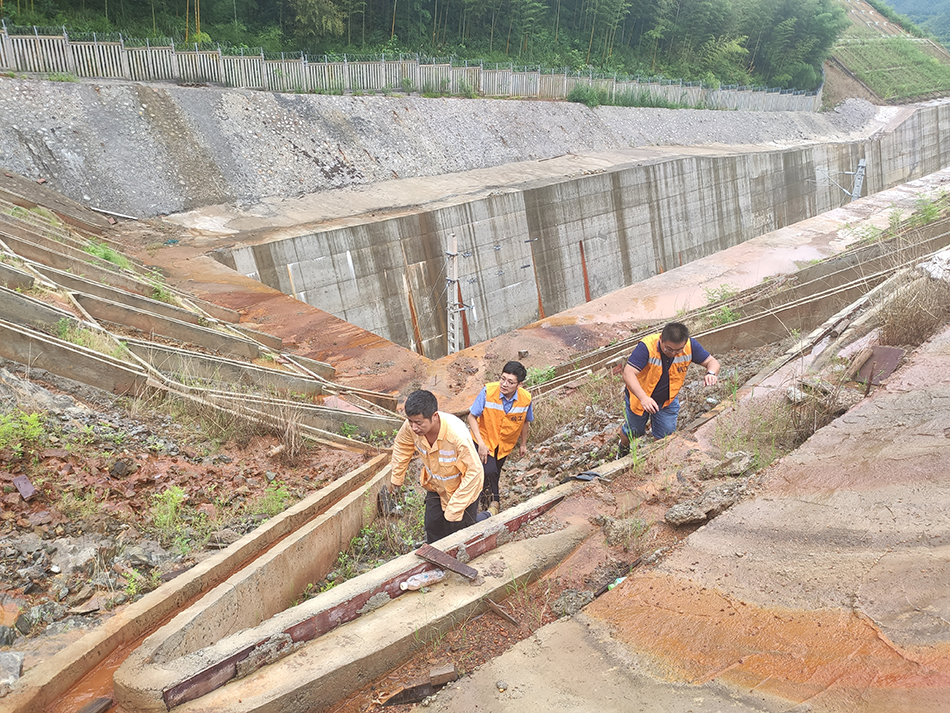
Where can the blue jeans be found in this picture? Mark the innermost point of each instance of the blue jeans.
(664, 420)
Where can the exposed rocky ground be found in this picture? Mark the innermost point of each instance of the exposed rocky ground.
(129, 495)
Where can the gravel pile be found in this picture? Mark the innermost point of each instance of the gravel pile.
(156, 149)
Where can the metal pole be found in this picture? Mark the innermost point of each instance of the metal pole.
(858, 180)
(451, 303)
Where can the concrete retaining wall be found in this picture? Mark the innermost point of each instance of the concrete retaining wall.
(553, 245)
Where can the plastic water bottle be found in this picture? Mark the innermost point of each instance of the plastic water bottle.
(423, 579)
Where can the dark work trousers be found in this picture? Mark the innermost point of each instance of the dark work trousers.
(492, 476)
(437, 526)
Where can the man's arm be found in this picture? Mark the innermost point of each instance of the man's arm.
(476, 410)
(477, 435)
(633, 384)
(403, 450)
(523, 450)
(712, 370)
(473, 477)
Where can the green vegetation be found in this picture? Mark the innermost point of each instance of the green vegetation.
(75, 333)
(62, 77)
(349, 430)
(161, 293)
(167, 511)
(720, 294)
(896, 68)
(723, 315)
(594, 96)
(272, 502)
(104, 252)
(379, 542)
(718, 42)
(21, 432)
(538, 375)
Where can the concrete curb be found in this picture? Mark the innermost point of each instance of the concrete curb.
(196, 654)
(151, 323)
(179, 363)
(318, 674)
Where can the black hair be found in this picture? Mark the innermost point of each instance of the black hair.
(675, 333)
(421, 403)
(516, 369)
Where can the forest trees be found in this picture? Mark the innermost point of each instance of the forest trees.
(770, 42)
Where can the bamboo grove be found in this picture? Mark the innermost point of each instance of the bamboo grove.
(766, 42)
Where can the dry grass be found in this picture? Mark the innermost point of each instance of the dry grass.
(568, 405)
(914, 312)
(771, 426)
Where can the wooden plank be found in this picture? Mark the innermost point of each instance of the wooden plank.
(445, 560)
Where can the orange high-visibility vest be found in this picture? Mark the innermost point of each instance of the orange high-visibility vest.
(499, 429)
(649, 376)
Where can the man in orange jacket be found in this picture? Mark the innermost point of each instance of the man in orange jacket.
(452, 472)
(499, 418)
(654, 375)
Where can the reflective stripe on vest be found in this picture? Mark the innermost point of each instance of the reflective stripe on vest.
(499, 429)
(649, 376)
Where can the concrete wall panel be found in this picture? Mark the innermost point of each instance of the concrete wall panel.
(633, 220)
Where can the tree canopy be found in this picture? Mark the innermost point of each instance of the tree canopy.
(767, 42)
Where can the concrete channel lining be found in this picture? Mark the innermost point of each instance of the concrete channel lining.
(29, 250)
(184, 366)
(150, 323)
(319, 673)
(52, 678)
(75, 283)
(327, 419)
(14, 279)
(169, 667)
(24, 310)
(37, 350)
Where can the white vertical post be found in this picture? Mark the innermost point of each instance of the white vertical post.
(451, 300)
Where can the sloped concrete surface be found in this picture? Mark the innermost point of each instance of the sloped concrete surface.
(827, 591)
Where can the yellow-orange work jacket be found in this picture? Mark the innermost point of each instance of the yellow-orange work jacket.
(499, 429)
(649, 376)
(450, 466)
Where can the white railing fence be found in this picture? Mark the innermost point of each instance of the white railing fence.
(52, 53)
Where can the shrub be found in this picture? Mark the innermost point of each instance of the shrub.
(21, 432)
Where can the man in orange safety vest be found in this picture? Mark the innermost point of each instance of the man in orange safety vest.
(499, 419)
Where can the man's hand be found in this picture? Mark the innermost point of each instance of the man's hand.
(483, 453)
(523, 450)
(711, 379)
(649, 405)
(392, 487)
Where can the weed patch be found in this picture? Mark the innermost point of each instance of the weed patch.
(22, 432)
(537, 375)
(914, 312)
(554, 413)
(74, 333)
(104, 252)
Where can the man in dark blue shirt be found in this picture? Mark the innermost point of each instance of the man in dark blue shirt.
(654, 375)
